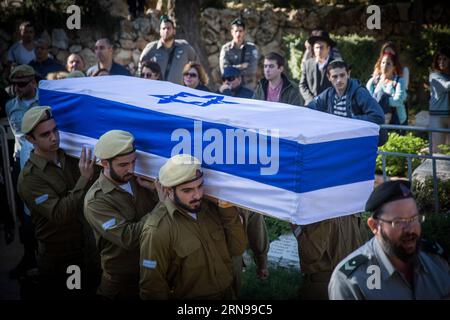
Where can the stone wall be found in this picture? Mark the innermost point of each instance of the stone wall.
(266, 27)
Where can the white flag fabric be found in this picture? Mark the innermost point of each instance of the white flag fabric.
(289, 162)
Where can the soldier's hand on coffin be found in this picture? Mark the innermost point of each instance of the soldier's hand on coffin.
(86, 163)
(162, 195)
(145, 183)
(224, 204)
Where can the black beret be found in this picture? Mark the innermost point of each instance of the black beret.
(238, 22)
(387, 192)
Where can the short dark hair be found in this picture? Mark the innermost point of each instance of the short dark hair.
(277, 57)
(444, 51)
(165, 18)
(335, 64)
(154, 66)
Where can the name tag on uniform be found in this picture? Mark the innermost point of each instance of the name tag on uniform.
(41, 199)
(149, 264)
(109, 224)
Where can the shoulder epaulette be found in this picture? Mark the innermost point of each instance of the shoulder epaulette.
(433, 247)
(351, 265)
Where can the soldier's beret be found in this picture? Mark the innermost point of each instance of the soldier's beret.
(387, 192)
(76, 74)
(34, 116)
(114, 143)
(238, 22)
(180, 169)
(22, 71)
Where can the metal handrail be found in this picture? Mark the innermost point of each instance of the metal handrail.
(410, 156)
(7, 170)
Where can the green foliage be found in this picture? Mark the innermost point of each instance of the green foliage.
(352, 48)
(437, 228)
(282, 284)
(276, 227)
(445, 149)
(398, 166)
(423, 192)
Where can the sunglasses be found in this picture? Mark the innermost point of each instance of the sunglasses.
(21, 84)
(228, 79)
(190, 75)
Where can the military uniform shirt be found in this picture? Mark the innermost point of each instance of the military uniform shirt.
(186, 258)
(231, 56)
(350, 279)
(183, 53)
(54, 194)
(116, 218)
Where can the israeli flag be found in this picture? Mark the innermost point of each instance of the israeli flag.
(289, 162)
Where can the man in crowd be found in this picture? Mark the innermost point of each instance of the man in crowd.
(23, 81)
(188, 241)
(75, 62)
(22, 52)
(240, 54)
(115, 207)
(276, 86)
(171, 55)
(104, 54)
(232, 84)
(52, 185)
(43, 64)
(396, 264)
(346, 97)
(313, 79)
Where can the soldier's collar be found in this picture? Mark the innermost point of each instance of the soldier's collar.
(172, 208)
(107, 185)
(42, 163)
(386, 265)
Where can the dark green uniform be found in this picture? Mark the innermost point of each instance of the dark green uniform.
(116, 217)
(54, 194)
(187, 258)
(322, 245)
(258, 241)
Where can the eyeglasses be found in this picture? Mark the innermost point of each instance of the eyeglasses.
(190, 75)
(229, 79)
(21, 84)
(403, 223)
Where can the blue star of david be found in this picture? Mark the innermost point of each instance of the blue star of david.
(204, 101)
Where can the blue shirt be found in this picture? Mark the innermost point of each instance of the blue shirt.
(47, 66)
(116, 69)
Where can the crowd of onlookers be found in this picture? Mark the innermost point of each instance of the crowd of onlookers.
(325, 85)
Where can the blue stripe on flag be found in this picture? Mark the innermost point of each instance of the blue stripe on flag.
(302, 168)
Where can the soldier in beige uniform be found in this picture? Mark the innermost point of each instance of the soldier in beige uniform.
(53, 185)
(171, 55)
(240, 54)
(187, 242)
(115, 207)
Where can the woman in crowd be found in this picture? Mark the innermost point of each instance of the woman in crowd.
(151, 70)
(439, 97)
(387, 86)
(195, 77)
(391, 48)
